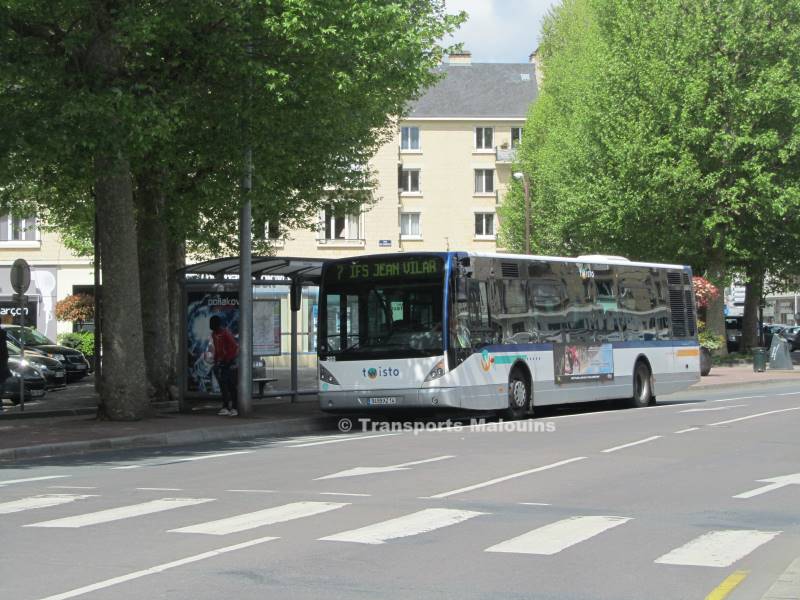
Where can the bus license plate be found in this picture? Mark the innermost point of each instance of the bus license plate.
(36, 393)
(382, 400)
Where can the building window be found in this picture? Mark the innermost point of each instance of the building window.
(339, 225)
(410, 226)
(484, 225)
(266, 230)
(15, 229)
(484, 138)
(409, 181)
(516, 136)
(409, 138)
(484, 181)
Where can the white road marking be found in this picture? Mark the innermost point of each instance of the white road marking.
(535, 504)
(416, 523)
(154, 570)
(72, 487)
(755, 416)
(344, 494)
(347, 439)
(788, 394)
(628, 445)
(484, 484)
(253, 491)
(737, 398)
(688, 429)
(269, 516)
(555, 537)
(147, 489)
(123, 512)
(373, 470)
(693, 410)
(718, 548)
(775, 483)
(127, 467)
(41, 501)
(207, 456)
(27, 479)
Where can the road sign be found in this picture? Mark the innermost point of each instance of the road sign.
(775, 483)
(20, 276)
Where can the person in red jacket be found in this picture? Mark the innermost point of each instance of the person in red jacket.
(226, 351)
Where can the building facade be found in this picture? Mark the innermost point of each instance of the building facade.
(442, 176)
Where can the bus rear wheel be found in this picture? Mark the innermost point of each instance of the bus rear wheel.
(642, 386)
(518, 396)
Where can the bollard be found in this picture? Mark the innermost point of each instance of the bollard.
(759, 360)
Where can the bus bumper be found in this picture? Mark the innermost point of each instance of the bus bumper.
(359, 400)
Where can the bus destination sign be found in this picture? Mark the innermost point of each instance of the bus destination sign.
(387, 269)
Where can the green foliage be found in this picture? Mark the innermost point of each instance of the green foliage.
(83, 341)
(311, 85)
(667, 130)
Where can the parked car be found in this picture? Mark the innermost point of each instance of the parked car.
(792, 335)
(771, 330)
(74, 362)
(35, 382)
(52, 370)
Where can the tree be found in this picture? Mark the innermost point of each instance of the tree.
(138, 112)
(77, 308)
(679, 139)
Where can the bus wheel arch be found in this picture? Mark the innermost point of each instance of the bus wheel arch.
(520, 399)
(644, 393)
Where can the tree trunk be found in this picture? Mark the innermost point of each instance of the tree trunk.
(123, 392)
(715, 312)
(154, 278)
(177, 259)
(754, 290)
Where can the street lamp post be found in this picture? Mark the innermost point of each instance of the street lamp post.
(527, 189)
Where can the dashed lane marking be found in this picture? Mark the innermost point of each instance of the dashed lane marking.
(630, 444)
(122, 512)
(718, 548)
(555, 537)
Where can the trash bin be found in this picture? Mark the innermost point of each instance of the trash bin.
(759, 360)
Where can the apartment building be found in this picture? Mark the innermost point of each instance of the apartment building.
(444, 173)
(55, 273)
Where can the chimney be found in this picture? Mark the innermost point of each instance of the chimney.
(537, 66)
(460, 58)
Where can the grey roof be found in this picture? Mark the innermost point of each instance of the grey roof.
(479, 90)
(302, 269)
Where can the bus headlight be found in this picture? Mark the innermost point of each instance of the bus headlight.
(326, 376)
(436, 372)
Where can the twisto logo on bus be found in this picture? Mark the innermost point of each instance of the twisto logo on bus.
(486, 360)
(374, 373)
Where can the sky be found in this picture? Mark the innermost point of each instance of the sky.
(500, 30)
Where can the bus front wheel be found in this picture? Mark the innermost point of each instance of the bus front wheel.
(642, 386)
(518, 396)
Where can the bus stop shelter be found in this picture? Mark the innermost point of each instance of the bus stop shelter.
(285, 292)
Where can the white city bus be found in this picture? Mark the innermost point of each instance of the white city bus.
(502, 332)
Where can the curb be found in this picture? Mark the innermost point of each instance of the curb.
(43, 414)
(737, 384)
(171, 438)
(787, 586)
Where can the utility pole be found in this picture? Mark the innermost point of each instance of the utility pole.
(245, 391)
(527, 189)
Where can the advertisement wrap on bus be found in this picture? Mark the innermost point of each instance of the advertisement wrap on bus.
(502, 332)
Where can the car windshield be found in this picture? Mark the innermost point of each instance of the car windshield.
(30, 337)
(13, 349)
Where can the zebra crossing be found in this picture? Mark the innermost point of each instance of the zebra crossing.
(718, 548)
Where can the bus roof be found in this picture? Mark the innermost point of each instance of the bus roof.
(606, 260)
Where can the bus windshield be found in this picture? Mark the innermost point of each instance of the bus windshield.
(379, 309)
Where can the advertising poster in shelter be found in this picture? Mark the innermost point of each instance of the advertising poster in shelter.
(266, 327)
(576, 363)
(201, 306)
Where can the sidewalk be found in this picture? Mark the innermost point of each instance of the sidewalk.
(45, 434)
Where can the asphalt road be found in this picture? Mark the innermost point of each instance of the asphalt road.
(595, 503)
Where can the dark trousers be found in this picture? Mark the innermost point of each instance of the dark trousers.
(228, 376)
